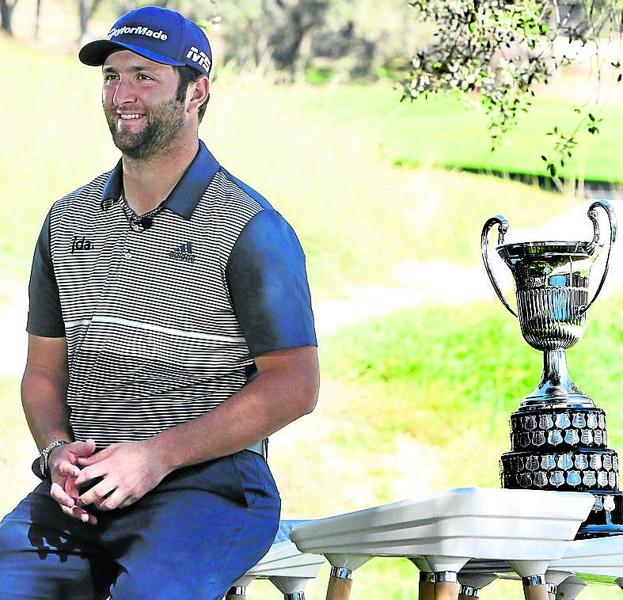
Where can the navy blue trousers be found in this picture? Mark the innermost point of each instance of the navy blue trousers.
(191, 537)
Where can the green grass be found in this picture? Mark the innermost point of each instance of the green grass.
(445, 131)
(449, 377)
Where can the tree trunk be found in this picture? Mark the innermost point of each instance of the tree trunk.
(304, 55)
(85, 12)
(37, 19)
(6, 15)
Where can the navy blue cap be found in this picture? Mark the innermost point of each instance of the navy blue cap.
(159, 34)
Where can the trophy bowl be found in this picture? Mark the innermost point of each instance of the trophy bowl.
(552, 291)
(552, 281)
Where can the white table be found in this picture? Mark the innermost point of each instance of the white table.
(591, 557)
(526, 529)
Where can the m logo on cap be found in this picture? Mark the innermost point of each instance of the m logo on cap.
(199, 57)
(138, 30)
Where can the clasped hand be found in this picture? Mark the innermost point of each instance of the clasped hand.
(126, 472)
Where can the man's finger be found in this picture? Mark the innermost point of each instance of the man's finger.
(66, 469)
(70, 488)
(85, 448)
(117, 499)
(97, 493)
(129, 500)
(59, 494)
(89, 473)
(85, 461)
(79, 513)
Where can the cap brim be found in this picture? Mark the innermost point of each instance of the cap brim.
(95, 53)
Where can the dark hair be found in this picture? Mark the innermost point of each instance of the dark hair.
(186, 75)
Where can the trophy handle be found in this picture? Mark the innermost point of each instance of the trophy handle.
(502, 224)
(612, 221)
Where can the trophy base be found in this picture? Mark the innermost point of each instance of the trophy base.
(580, 470)
(594, 531)
(557, 429)
(538, 402)
(564, 449)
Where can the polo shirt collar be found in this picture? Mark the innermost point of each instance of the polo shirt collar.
(185, 196)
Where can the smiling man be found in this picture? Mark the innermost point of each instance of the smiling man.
(170, 333)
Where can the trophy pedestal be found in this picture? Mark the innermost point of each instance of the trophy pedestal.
(564, 448)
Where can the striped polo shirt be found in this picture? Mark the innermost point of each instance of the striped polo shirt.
(164, 315)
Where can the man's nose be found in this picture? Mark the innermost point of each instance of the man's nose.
(124, 92)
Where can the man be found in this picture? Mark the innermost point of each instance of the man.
(170, 332)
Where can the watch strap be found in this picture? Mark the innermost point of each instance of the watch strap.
(45, 454)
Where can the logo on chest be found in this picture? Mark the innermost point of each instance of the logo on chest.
(183, 252)
(79, 244)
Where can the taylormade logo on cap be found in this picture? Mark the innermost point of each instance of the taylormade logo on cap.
(138, 30)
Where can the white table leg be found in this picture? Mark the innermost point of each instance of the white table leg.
(292, 588)
(340, 584)
(570, 588)
(554, 578)
(472, 583)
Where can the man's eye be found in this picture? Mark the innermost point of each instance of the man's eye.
(110, 76)
(144, 77)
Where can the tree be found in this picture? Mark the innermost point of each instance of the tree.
(370, 34)
(86, 9)
(278, 29)
(37, 19)
(499, 50)
(360, 35)
(6, 15)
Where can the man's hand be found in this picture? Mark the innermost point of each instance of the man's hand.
(64, 470)
(127, 471)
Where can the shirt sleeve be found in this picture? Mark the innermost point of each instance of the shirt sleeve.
(268, 286)
(44, 308)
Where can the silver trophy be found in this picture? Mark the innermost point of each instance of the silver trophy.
(558, 436)
(552, 282)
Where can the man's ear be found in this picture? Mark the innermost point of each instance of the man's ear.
(199, 91)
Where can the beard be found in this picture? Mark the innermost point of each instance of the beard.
(164, 123)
